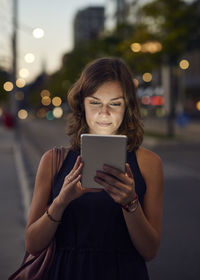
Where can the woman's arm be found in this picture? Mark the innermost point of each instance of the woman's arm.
(40, 229)
(144, 225)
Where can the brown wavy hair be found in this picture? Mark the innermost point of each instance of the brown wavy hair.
(92, 77)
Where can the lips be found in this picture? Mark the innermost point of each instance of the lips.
(103, 124)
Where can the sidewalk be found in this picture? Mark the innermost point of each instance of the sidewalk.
(12, 213)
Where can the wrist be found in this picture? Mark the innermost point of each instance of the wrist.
(132, 205)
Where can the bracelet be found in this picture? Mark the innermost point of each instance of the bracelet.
(129, 204)
(51, 218)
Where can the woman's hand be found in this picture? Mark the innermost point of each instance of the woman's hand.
(120, 186)
(72, 188)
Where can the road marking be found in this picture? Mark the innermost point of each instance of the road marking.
(23, 179)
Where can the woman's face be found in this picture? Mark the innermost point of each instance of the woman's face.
(104, 109)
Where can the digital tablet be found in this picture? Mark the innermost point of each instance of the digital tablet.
(97, 150)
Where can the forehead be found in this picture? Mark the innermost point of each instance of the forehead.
(108, 90)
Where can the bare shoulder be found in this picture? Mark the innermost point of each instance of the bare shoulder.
(148, 161)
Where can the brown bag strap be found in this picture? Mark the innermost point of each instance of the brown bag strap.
(58, 156)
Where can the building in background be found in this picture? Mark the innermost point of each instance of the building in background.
(88, 24)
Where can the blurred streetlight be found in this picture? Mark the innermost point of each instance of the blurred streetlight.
(38, 33)
(29, 58)
(151, 47)
(8, 86)
(22, 114)
(136, 47)
(147, 77)
(24, 73)
(20, 83)
(184, 64)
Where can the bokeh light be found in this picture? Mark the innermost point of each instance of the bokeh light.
(20, 83)
(184, 64)
(8, 86)
(136, 47)
(38, 33)
(49, 116)
(147, 77)
(29, 58)
(198, 105)
(44, 93)
(24, 73)
(58, 112)
(42, 112)
(22, 114)
(56, 101)
(46, 101)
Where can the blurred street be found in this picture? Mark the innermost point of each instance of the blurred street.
(179, 254)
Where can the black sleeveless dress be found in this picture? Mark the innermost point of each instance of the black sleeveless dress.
(92, 242)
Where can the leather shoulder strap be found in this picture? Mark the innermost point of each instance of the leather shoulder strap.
(58, 156)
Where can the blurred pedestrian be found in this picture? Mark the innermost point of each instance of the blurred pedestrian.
(100, 234)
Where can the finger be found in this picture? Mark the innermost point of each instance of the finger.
(128, 170)
(116, 173)
(74, 181)
(111, 188)
(111, 180)
(78, 165)
(73, 175)
(78, 160)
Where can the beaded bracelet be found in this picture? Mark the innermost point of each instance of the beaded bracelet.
(51, 218)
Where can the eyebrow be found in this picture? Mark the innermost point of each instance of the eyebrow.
(120, 97)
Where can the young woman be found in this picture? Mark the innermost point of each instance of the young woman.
(100, 234)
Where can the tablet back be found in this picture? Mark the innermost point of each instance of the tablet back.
(97, 150)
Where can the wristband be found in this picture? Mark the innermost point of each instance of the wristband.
(51, 218)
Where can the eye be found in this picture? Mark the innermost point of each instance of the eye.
(94, 102)
(115, 104)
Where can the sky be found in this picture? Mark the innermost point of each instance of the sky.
(56, 18)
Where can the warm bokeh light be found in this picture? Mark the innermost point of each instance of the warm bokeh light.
(44, 93)
(24, 73)
(29, 58)
(58, 112)
(147, 77)
(8, 86)
(136, 47)
(19, 95)
(42, 113)
(38, 33)
(136, 82)
(46, 101)
(22, 114)
(56, 101)
(151, 47)
(184, 64)
(1, 112)
(198, 105)
(20, 83)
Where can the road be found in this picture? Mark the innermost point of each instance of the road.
(179, 254)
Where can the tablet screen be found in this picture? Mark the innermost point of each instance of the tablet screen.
(97, 150)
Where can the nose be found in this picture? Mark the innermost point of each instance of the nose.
(104, 110)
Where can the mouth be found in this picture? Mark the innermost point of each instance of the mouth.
(103, 124)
